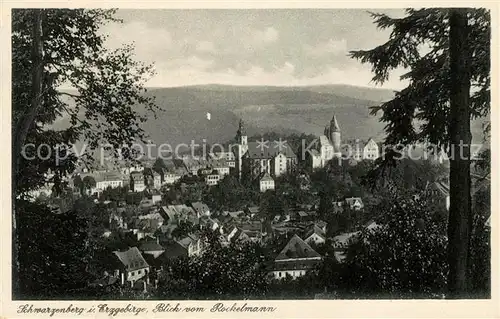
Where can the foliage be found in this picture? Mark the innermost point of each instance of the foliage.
(55, 252)
(230, 194)
(183, 229)
(133, 198)
(420, 112)
(404, 257)
(115, 194)
(78, 183)
(159, 165)
(101, 108)
(232, 272)
(449, 84)
(480, 270)
(273, 203)
(88, 182)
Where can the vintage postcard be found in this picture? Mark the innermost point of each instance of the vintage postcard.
(249, 159)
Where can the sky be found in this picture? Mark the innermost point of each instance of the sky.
(279, 47)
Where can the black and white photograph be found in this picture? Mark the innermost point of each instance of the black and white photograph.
(263, 154)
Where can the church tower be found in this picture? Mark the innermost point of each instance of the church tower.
(334, 135)
(242, 148)
(241, 134)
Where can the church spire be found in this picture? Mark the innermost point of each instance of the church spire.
(334, 125)
(241, 128)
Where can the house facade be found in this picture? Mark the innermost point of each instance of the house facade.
(255, 158)
(295, 259)
(315, 235)
(133, 266)
(212, 179)
(193, 245)
(137, 182)
(266, 182)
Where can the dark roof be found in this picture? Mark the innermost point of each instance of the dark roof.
(107, 280)
(253, 209)
(295, 264)
(132, 259)
(297, 248)
(168, 212)
(315, 230)
(137, 176)
(303, 214)
(352, 200)
(253, 225)
(320, 223)
(235, 214)
(240, 236)
(173, 250)
(200, 207)
(256, 151)
(266, 177)
(189, 239)
(153, 261)
(150, 246)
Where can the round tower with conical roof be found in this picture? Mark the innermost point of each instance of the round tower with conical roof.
(334, 135)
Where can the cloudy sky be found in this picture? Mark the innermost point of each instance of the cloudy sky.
(252, 47)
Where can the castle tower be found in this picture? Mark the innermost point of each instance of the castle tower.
(334, 135)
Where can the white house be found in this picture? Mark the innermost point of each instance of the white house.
(156, 180)
(137, 183)
(295, 259)
(315, 235)
(227, 156)
(266, 182)
(220, 166)
(212, 179)
(278, 164)
(152, 248)
(105, 180)
(355, 203)
(201, 208)
(133, 266)
(170, 178)
(193, 245)
(371, 150)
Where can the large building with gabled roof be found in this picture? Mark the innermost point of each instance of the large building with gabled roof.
(254, 158)
(133, 266)
(295, 259)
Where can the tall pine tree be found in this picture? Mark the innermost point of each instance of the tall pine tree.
(447, 52)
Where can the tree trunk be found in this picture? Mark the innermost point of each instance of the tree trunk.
(22, 129)
(26, 120)
(459, 224)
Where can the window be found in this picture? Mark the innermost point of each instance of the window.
(139, 272)
(133, 273)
